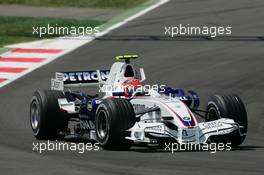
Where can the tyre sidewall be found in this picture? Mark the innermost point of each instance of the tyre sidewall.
(102, 108)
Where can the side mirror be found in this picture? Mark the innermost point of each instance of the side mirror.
(142, 74)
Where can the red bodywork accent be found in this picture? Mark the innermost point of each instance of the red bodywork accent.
(133, 83)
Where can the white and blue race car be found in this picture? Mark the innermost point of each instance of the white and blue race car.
(130, 112)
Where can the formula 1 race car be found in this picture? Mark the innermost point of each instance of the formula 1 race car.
(129, 112)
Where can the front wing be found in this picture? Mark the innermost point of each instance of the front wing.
(151, 132)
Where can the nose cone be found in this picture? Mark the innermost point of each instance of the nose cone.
(182, 114)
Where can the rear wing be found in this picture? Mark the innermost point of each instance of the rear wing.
(126, 58)
(78, 79)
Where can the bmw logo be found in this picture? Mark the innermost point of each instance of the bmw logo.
(186, 118)
(89, 106)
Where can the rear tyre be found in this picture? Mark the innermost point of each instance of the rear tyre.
(46, 119)
(113, 118)
(232, 107)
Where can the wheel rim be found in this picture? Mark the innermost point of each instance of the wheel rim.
(35, 115)
(212, 114)
(102, 125)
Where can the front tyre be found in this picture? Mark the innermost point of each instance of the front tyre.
(232, 107)
(113, 118)
(46, 119)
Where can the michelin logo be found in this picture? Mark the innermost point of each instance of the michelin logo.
(83, 76)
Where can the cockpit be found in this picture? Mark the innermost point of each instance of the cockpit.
(129, 71)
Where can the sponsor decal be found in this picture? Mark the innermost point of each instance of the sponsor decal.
(139, 107)
(158, 128)
(89, 106)
(86, 125)
(212, 125)
(84, 76)
(184, 133)
(56, 85)
(97, 102)
(186, 118)
(177, 106)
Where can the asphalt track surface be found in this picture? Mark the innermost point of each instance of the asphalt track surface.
(207, 66)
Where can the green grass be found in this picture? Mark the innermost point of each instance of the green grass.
(20, 29)
(3, 50)
(77, 3)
